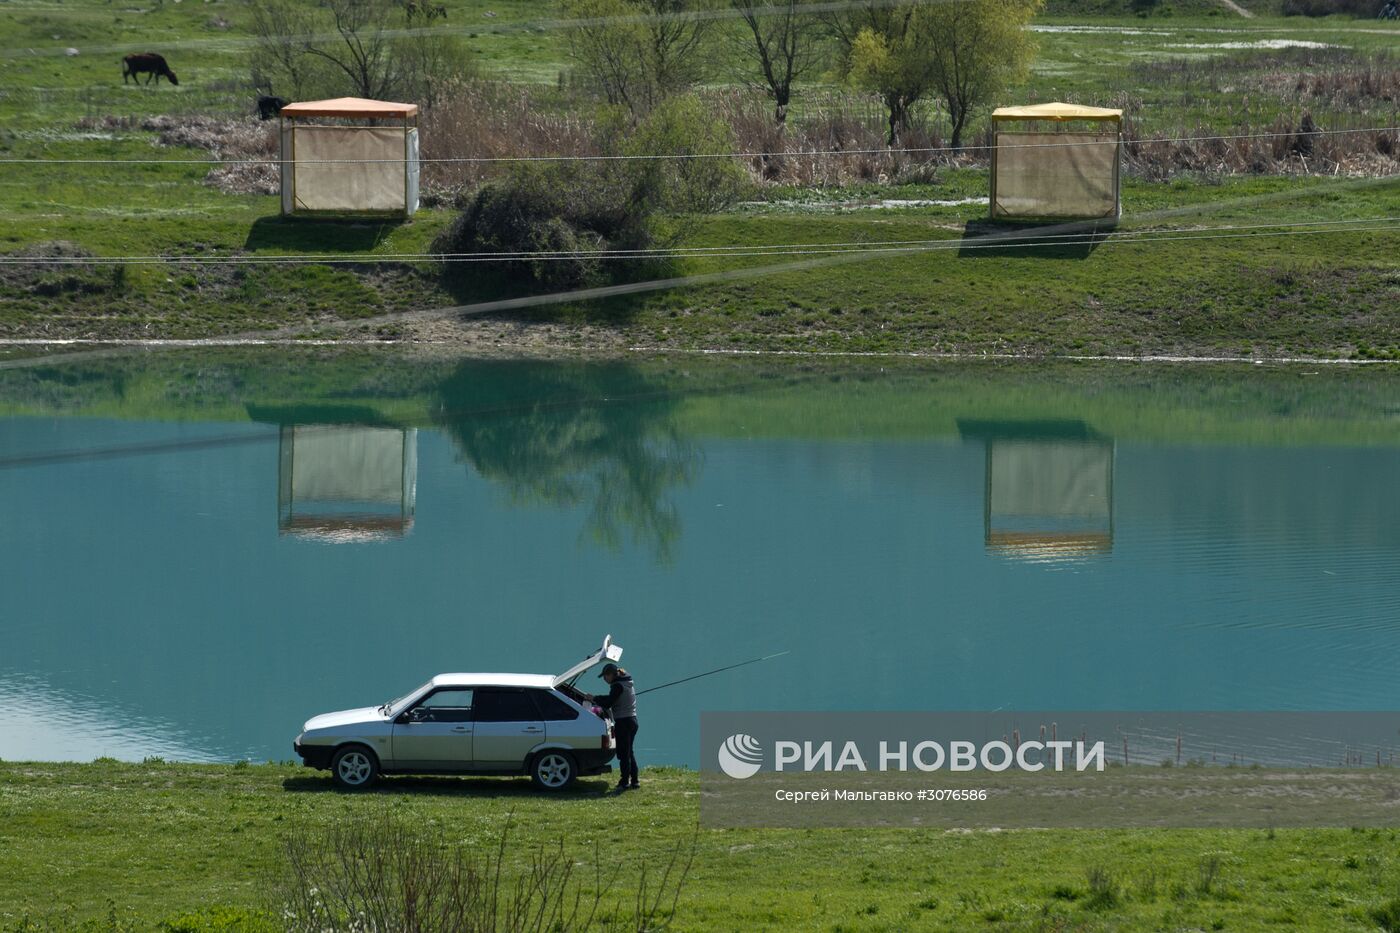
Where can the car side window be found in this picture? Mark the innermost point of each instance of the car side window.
(452, 704)
(504, 706)
(552, 709)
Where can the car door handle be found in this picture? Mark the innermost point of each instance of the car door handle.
(460, 729)
(533, 729)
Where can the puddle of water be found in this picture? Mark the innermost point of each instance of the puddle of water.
(1092, 30)
(1256, 44)
(870, 205)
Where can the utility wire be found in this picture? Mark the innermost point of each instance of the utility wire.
(1007, 240)
(691, 156)
(484, 309)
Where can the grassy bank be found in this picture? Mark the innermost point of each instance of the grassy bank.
(854, 399)
(1188, 68)
(1244, 288)
(153, 842)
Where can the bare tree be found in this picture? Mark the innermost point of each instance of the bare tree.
(364, 52)
(637, 52)
(785, 46)
(677, 39)
(356, 47)
(279, 64)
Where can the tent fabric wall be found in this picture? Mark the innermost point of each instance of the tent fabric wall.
(329, 177)
(1055, 175)
(284, 154)
(350, 463)
(412, 169)
(1051, 480)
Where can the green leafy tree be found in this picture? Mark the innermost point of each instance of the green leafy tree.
(895, 63)
(980, 47)
(964, 51)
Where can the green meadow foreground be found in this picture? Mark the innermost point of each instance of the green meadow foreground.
(201, 847)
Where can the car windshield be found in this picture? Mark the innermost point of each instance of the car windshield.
(393, 705)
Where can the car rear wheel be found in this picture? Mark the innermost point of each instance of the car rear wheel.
(354, 767)
(553, 770)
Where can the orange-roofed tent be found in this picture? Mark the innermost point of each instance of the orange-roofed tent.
(349, 155)
(1056, 173)
(1057, 111)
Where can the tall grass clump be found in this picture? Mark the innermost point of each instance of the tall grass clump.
(378, 875)
(1387, 915)
(1103, 889)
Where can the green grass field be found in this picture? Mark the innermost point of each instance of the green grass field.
(199, 847)
(1187, 69)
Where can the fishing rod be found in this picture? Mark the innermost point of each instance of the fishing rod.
(718, 670)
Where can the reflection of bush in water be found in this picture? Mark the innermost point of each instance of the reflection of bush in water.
(595, 435)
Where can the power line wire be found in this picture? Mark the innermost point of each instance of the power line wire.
(484, 309)
(684, 156)
(1005, 240)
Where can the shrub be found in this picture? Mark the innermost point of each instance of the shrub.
(379, 875)
(575, 211)
(1387, 915)
(1103, 889)
(684, 126)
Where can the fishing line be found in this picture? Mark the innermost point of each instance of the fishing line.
(718, 670)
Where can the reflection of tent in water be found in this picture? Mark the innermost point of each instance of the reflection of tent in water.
(346, 483)
(1049, 488)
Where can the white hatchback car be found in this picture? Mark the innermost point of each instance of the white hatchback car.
(535, 724)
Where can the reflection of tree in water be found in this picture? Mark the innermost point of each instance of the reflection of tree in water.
(565, 434)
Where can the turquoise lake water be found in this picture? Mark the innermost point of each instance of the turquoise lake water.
(201, 551)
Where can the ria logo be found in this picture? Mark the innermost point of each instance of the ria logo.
(740, 756)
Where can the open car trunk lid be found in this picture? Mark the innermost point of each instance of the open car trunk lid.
(609, 652)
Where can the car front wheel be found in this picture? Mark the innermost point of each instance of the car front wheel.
(553, 770)
(354, 767)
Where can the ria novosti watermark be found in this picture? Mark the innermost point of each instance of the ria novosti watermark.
(740, 756)
(1065, 768)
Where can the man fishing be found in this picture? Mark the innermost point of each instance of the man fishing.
(621, 701)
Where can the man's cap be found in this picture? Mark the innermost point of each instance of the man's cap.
(608, 669)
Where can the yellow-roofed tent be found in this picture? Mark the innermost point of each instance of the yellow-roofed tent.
(349, 155)
(1054, 172)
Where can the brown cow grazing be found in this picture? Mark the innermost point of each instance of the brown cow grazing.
(147, 63)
